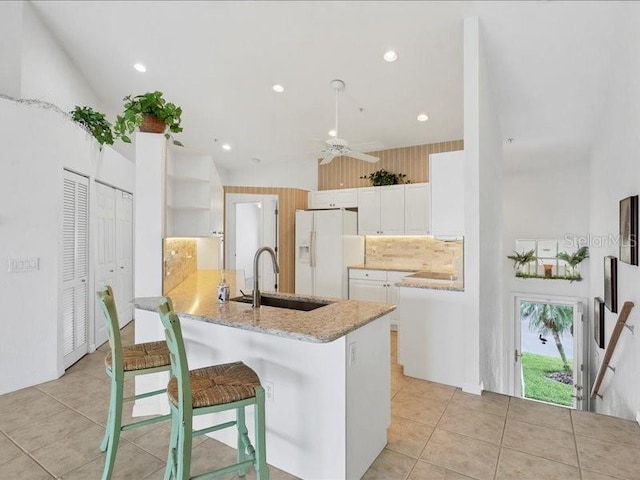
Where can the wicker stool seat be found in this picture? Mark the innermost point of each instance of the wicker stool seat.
(218, 384)
(142, 356)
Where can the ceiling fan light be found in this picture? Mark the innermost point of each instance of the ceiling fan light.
(423, 117)
(332, 133)
(390, 56)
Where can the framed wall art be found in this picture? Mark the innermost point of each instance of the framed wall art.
(611, 283)
(629, 230)
(598, 321)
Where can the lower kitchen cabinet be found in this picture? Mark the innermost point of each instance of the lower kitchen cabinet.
(376, 286)
(430, 342)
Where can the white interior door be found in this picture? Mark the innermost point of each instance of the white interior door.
(75, 266)
(539, 350)
(124, 256)
(248, 218)
(105, 256)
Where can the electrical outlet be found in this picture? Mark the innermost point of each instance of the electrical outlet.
(353, 353)
(268, 391)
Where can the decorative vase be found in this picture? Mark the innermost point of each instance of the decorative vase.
(152, 124)
(548, 270)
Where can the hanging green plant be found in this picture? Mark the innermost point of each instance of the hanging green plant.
(522, 259)
(150, 113)
(383, 177)
(95, 122)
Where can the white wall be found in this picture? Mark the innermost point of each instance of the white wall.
(615, 174)
(483, 221)
(544, 201)
(48, 73)
(37, 144)
(10, 48)
(295, 174)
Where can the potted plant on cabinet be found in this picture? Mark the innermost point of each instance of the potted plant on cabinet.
(383, 177)
(151, 113)
(94, 122)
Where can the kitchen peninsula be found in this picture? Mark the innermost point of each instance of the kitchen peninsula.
(326, 372)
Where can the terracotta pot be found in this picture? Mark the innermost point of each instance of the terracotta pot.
(548, 270)
(152, 124)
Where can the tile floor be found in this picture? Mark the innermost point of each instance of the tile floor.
(437, 432)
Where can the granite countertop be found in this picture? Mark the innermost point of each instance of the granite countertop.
(195, 298)
(453, 285)
(392, 267)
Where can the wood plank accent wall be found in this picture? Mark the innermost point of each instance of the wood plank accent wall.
(289, 200)
(345, 172)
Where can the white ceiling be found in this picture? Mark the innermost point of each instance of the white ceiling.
(548, 65)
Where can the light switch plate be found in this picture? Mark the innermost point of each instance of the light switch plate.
(24, 264)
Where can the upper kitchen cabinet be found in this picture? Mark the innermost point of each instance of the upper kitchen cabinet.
(446, 176)
(417, 209)
(381, 210)
(194, 196)
(343, 198)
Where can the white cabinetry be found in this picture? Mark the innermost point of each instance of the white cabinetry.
(430, 342)
(446, 176)
(417, 209)
(342, 198)
(381, 210)
(194, 196)
(376, 286)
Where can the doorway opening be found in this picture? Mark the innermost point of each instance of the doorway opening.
(549, 351)
(251, 223)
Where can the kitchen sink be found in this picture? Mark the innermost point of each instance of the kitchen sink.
(283, 302)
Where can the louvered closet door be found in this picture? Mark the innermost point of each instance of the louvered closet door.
(75, 266)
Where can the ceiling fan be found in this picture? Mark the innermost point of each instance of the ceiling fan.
(339, 147)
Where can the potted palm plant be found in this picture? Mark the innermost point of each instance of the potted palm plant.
(151, 113)
(521, 261)
(574, 260)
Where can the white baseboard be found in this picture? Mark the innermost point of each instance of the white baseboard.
(475, 389)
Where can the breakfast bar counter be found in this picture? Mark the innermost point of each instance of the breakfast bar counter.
(326, 373)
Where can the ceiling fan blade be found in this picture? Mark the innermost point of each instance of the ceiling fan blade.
(362, 156)
(328, 158)
(368, 147)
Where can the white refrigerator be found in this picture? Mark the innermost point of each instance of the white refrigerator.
(327, 242)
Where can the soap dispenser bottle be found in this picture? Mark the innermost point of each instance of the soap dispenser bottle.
(223, 291)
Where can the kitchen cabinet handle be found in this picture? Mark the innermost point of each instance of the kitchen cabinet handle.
(312, 247)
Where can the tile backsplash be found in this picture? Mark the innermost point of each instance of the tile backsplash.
(428, 253)
(180, 261)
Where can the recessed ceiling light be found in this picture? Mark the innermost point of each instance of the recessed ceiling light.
(226, 146)
(332, 133)
(390, 56)
(140, 67)
(423, 117)
(278, 88)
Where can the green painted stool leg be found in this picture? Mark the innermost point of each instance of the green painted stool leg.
(242, 433)
(184, 447)
(115, 409)
(171, 470)
(262, 471)
(107, 428)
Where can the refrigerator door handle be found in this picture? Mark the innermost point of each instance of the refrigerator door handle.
(312, 248)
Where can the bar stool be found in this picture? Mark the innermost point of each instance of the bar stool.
(121, 362)
(232, 386)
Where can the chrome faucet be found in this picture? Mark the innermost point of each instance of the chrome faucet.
(256, 258)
